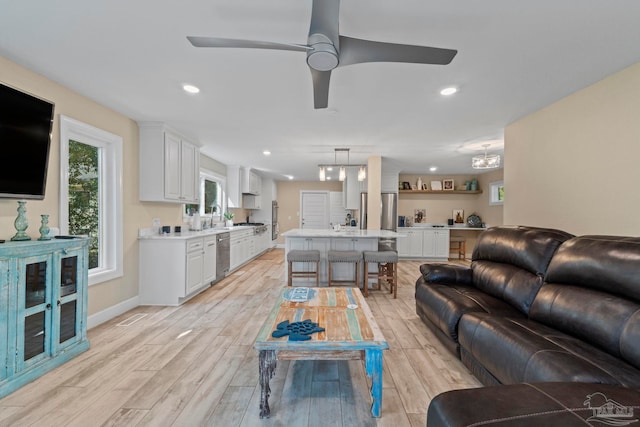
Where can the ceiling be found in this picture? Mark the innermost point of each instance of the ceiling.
(513, 58)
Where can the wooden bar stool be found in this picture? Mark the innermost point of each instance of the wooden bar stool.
(458, 245)
(303, 256)
(387, 270)
(353, 257)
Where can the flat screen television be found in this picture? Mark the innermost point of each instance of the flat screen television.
(25, 139)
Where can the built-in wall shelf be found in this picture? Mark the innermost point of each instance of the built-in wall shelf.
(440, 192)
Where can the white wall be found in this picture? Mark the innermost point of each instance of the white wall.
(574, 164)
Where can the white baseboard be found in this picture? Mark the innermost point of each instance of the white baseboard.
(111, 312)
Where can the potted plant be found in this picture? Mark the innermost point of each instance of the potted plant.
(228, 219)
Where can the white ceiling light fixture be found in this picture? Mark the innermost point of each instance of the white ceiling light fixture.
(190, 88)
(323, 168)
(486, 161)
(433, 169)
(266, 152)
(447, 91)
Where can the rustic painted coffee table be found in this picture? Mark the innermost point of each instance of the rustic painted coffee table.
(351, 333)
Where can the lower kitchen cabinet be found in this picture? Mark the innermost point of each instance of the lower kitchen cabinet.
(172, 270)
(424, 243)
(307, 244)
(43, 307)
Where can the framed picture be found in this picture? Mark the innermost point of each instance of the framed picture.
(419, 215)
(458, 216)
(424, 186)
(447, 184)
(436, 185)
(406, 185)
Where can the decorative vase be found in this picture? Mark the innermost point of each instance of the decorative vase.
(44, 228)
(228, 223)
(419, 184)
(474, 184)
(21, 223)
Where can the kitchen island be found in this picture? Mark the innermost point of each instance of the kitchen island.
(324, 240)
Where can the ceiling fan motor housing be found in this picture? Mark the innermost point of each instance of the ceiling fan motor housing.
(323, 56)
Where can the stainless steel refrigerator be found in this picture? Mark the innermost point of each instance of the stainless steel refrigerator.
(388, 218)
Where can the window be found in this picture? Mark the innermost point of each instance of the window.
(496, 193)
(91, 194)
(212, 193)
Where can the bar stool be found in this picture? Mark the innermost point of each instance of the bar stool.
(303, 256)
(353, 257)
(387, 270)
(458, 245)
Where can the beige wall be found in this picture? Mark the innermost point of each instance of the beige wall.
(289, 201)
(574, 164)
(136, 214)
(439, 207)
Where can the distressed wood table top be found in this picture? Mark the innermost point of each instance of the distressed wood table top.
(345, 328)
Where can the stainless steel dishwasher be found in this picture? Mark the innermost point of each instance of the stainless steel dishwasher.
(223, 249)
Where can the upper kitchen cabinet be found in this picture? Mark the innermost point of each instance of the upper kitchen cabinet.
(169, 166)
(251, 182)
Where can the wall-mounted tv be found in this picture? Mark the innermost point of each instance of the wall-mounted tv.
(25, 137)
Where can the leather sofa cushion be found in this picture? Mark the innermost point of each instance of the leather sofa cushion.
(446, 273)
(517, 350)
(609, 322)
(541, 404)
(529, 248)
(444, 304)
(605, 263)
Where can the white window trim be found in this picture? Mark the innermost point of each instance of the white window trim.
(112, 258)
(493, 193)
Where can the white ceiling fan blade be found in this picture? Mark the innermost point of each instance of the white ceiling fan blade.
(320, 88)
(249, 44)
(355, 51)
(325, 15)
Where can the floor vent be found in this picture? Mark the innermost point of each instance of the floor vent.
(133, 319)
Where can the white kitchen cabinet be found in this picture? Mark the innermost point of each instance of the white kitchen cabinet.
(410, 246)
(240, 247)
(337, 213)
(251, 182)
(173, 270)
(351, 189)
(234, 186)
(169, 166)
(435, 244)
(249, 201)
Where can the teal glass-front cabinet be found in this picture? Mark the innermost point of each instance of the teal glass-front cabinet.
(45, 300)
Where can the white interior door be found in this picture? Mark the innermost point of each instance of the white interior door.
(314, 211)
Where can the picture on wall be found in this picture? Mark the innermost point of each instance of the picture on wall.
(447, 184)
(458, 216)
(436, 185)
(419, 215)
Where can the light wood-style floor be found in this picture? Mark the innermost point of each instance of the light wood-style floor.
(194, 365)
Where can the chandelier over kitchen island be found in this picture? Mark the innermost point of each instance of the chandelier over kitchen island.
(323, 168)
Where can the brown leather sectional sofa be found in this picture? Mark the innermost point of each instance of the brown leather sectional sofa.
(547, 317)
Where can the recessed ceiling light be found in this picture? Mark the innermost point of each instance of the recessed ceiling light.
(290, 177)
(433, 169)
(190, 88)
(448, 91)
(329, 168)
(266, 152)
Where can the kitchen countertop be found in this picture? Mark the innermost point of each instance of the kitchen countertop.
(350, 232)
(148, 234)
(441, 227)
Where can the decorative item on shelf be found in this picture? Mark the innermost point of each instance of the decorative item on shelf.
(474, 184)
(419, 183)
(436, 185)
(324, 168)
(450, 221)
(21, 223)
(424, 186)
(467, 185)
(486, 161)
(44, 228)
(458, 216)
(420, 215)
(228, 219)
(406, 185)
(474, 220)
(447, 184)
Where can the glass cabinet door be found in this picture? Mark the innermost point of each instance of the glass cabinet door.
(68, 298)
(34, 309)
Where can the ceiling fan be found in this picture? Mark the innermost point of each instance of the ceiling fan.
(326, 49)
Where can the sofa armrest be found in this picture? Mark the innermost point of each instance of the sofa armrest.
(447, 274)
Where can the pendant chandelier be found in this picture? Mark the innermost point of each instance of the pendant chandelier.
(323, 168)
(486, 161)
